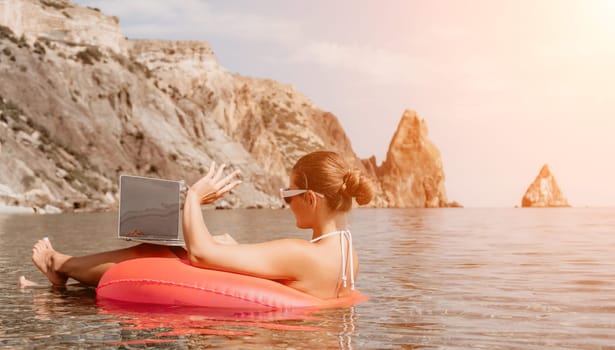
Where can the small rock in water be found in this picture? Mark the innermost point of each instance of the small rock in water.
(50, 209)
(544, 192)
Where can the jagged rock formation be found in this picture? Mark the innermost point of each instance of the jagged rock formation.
(412, 174)
(80, 104)
(544, 192)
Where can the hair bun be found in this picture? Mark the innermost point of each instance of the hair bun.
(345, 179)
(358, 186)
(351, 179)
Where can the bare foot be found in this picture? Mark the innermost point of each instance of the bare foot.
(24, 282)
(43, 256)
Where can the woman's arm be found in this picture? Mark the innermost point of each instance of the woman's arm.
(274, 260)
(196, 234)
(207, 190)
(225, 239)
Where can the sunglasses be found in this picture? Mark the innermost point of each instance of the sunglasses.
(287, 194)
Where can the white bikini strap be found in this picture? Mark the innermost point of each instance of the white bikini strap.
(332, 233)
(342, 246)
(343, 234)
(349, 237)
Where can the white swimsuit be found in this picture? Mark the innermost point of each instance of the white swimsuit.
(346, 254)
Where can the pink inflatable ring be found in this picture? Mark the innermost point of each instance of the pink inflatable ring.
(165, 281)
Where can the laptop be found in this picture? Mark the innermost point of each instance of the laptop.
(150, 210)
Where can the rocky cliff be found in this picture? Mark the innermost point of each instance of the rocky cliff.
(544, 192)
(60, 20)
(80, 104)
(412, 174)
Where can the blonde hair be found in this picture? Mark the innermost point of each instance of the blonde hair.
(328, 174)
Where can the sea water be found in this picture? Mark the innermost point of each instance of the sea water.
(436, 278)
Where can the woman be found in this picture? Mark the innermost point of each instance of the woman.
(320, 195)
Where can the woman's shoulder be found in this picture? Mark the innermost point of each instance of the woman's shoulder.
(287, 245)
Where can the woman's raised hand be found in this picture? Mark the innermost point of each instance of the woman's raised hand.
(213, 186)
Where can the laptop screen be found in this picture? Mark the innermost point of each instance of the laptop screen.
(149, 208)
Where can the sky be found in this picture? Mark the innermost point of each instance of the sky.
(504, 86)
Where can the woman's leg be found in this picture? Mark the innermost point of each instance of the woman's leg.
(89, 269)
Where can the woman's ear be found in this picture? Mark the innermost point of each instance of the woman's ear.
(311, 198)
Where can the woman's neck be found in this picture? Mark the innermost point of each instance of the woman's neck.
(335, 222)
